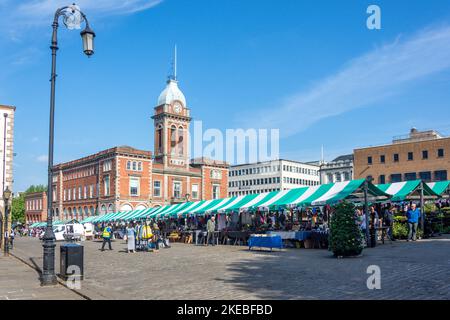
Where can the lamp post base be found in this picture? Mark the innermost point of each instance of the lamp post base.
(48, 277)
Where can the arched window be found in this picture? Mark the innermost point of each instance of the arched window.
(180, 140)
(159, 142)
(103, 211)
(110, 208)
(173, 140)
(86, 212)
(92, 211)
(74, 213)
(69, 216)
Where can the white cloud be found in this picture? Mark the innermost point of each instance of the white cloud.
(364, 81)
(42, 158)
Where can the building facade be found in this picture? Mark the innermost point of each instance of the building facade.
(7, 153)
(268, 176)
(420, 155)
(340, 169)
(35, 207)
(124, 178)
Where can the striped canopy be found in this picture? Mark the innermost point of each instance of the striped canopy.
(440, 187)
(401, 191)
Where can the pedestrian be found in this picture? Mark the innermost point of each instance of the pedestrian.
(210, 228)
(389, 221)
(131, 236)
(11, 238)
(106, 235)
(413, 215)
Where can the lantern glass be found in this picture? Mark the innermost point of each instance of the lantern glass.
(88, 41)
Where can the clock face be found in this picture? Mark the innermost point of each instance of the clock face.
(177, 108)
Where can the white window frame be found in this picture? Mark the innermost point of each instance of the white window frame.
(173, 189)
(138, 186)
(157, 188)
(196, 195)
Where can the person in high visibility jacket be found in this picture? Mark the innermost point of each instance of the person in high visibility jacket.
(106, 235)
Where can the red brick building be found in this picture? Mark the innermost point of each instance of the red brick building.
(124, 178)
(35, 207)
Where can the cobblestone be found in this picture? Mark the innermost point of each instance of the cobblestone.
(413, 270)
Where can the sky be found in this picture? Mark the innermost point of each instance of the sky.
(309, 68)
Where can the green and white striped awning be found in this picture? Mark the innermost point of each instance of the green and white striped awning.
(401, 191)
(441, 187)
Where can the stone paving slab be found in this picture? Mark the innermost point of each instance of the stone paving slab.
(20, 282)
(413, 270)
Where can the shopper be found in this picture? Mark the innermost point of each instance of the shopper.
(131, 238)
(11, 238)
(389, 221)
(106, 235)
(413, 215)
(210, 228)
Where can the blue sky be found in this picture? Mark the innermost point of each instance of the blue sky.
(310, 68)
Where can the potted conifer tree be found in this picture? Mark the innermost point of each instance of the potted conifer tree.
(345, 234)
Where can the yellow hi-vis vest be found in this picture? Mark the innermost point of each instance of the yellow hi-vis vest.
(106, 233)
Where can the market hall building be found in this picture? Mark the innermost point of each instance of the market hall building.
(421, 155)
(124, 178)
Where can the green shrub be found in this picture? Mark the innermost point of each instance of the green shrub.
(430, 207)
(400, 230)
(345, 235)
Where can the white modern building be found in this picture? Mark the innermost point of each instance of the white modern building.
(340, 169)
(268, 176)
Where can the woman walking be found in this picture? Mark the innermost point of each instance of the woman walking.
(131, 235)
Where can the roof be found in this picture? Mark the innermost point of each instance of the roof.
(346, 157)
(171, 93)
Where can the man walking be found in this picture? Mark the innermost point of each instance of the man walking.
(413, 215)
(107, 233)
(210, 227)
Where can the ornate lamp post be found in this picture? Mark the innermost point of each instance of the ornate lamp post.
(6, 197)
(73, 18)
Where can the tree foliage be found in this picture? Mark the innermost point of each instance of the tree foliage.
(36, 188)
(345, 234)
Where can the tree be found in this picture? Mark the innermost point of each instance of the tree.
(18, 209)
(345, 235)
(36, 188)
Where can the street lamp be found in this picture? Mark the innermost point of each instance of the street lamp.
(73, 17)
(6, 197)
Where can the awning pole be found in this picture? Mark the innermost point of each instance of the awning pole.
(422, 211)
(366, 209)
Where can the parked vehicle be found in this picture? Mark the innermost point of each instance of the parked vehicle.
(74, 232)
(89, 230)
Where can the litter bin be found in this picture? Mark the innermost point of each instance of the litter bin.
(71, 261)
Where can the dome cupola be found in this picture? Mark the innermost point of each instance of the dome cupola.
(171, 93)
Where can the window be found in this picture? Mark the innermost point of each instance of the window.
(425, 176)
(410, 156)
(396, 157)
(180, 141)
(91, 191)
(410, 176)
(346, 176)
(396, 177)
(216, 192)
(134, 166)
(194, 191)
(80, 196)
(369, 160)
(440, 175)
(107, 165)
(425, 154)
(382, 159)
(440, 153)
(106, 186)
(177, 189)
(173, 140)
(69, 195)
(85, 192)
(134, 186)
(157, 188)
(139, 166)
(64, 194)
(128, 165)
(382, 179)
(74, 193)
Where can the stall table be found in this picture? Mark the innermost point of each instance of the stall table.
(267, 241)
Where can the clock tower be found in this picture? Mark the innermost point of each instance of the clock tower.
(171, 125)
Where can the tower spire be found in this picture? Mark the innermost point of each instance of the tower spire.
(175, 64)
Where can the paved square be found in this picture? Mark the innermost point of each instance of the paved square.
(414, 270)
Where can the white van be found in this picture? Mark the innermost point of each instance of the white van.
(89, 231)
(74, 232)
(59, 231)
